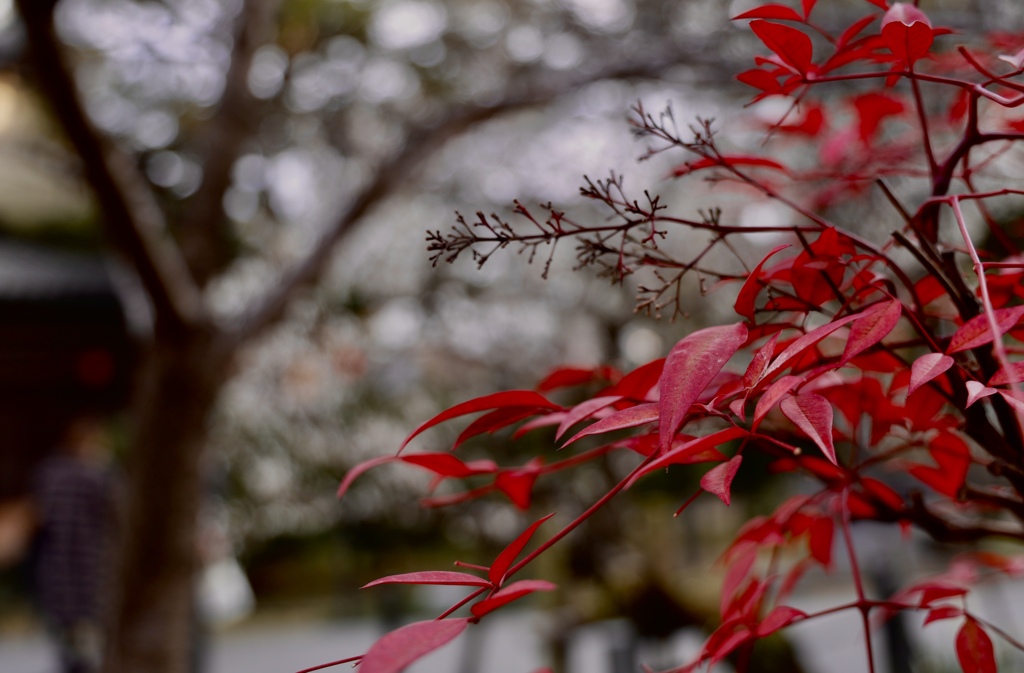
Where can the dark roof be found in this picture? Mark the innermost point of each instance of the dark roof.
(31, 272)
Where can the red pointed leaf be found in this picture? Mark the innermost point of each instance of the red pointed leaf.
(926, 368)
(941, 480)
(780, 12)
(718, 480)
(547, 420)
(880, 3)
(789, 44)
(393, 652)
(808, 7)
(692, 451)
(872, 109)
(494, 421)
(871, 328)
(806, 341)
(854, 30)
(432, 577)
(779, 618)
(690, 367)
(517, 484)
(977, 332)
(759, 363)
(942, 612)
(351, 475)
(812, 413)
(907, 32)
(1014, 399)
(744, 305)
(512, 592)
(767, 82)
(820, 540)
(637, 384)
(772, 395)
(974, 648)
(584, 410)
(567, 377)
(627, 418)
(509, 553)
(883, 493)
(1014, 373)
(977, 391)
(447, 465)
(510, 398)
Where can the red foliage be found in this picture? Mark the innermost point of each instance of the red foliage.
(831, 322)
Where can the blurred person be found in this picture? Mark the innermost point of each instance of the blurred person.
(74, 494)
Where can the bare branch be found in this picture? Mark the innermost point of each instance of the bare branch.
(421, 145)
(130, 213)
(202, 228)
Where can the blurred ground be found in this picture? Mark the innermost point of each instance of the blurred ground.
(514, 642)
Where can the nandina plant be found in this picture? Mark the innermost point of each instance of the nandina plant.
(854, 362)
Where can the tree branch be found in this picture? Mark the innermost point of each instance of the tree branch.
(202, 230)
(419, 146)
(130, 214)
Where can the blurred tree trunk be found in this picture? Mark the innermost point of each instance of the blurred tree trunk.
(154, 612)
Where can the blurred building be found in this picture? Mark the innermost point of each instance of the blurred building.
(65, 349)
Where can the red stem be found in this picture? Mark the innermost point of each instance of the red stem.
(863, 605)
(580, 519)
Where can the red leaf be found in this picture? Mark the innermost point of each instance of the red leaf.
(807, 340)
(974, 648)
(432, 577)
(509, 553)
(882, 492)
(637, 384)
(1013, 399)
(953, 458)
(691, 365)
(393, 652)
(775, 392)
(447, 465)
(780, 12)
(872, 109)
(759, 363)
(744, 305)
(692, 451)
(977, 391)
(789, 44)
(820, 540)
(761, 79)
(494, 421)
(926, 368)
(942, 612)
(584, 410)
(808, 6)
(976, 331)
(351, 475)
(510, 398)
(907, 32)
(880, 3)
(718, 480)
(567, 377)
(871, 328)
(627, 418)
(723, 162)
(779, 618)
(517, 484)
(812, 413)
(854, 30)
(512, 592)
